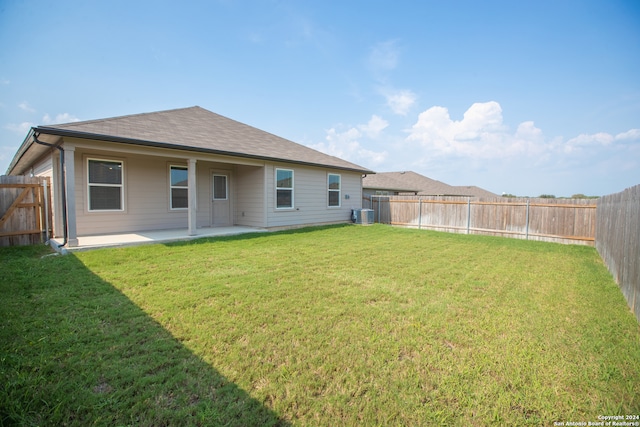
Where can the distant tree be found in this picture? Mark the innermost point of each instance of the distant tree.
(508, 195)
(547, 196)
(582, 196)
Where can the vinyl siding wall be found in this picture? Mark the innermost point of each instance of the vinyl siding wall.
(146, 194)
(311, 197)
(249, 196)
(146, 180)
(45, 168)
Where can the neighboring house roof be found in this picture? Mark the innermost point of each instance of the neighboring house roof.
(474, 191)
(413, 182)
(191, 129)
(387, 181)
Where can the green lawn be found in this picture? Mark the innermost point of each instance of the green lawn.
(344, 325)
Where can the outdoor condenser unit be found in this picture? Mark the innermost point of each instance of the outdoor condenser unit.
(362, 216)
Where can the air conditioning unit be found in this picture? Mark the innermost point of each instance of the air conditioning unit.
(362, 216)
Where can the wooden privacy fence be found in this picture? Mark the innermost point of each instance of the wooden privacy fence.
(25, 213)
(618, 241)
(555, 220)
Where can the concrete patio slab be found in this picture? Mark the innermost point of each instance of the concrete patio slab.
(146, 237)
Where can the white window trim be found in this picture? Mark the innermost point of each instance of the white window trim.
(339, 190)
(285, 188)
(171, 187)
(89, 185)
(226, 183)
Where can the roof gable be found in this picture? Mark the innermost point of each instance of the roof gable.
(197, 129)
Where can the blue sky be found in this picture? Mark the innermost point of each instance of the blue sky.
(528, 98)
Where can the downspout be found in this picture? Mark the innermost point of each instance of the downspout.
(63, 183)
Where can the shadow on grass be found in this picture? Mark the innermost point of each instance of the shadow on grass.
(76, 351)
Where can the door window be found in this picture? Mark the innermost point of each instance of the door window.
(220, 187)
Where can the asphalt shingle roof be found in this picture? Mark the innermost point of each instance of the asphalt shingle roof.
(414, 182)
(198, 129)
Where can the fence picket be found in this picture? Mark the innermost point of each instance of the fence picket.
(566, 221)
(23, 211)
(618, 241)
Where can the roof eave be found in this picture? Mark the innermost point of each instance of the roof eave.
(146, 143)
(24, 147)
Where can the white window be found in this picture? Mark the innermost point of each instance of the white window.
(105, 185)
(334, 188)
(179, 191)
(284, 189)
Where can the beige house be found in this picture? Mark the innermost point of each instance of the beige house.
(186, 168)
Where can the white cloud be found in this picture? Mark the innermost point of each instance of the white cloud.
(481, 149)
(21, 128)
(401, 101)
(630, 135)
(384, 58)
(480, 134)
(373, 128)
(588, 140)
(60, 118)
(346, 144)
(483, 117)
(24, 106)
(343, 144)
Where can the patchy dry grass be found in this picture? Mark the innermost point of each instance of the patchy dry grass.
(340, 325)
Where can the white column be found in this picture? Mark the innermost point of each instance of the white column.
(266, 176)
(191, 197)
(56, 191)
(70, 178)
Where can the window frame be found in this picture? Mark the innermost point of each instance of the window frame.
(226, 187)
(90, 184)
(178, 187)
(330, 190)
(291, 189)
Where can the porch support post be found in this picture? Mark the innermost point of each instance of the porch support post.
(191, 197)
(70, 179)
(56, 189)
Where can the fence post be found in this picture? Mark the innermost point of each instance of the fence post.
(419, 214)
(527, 221)
(372, 206)
(468, 214)
(373, 198)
